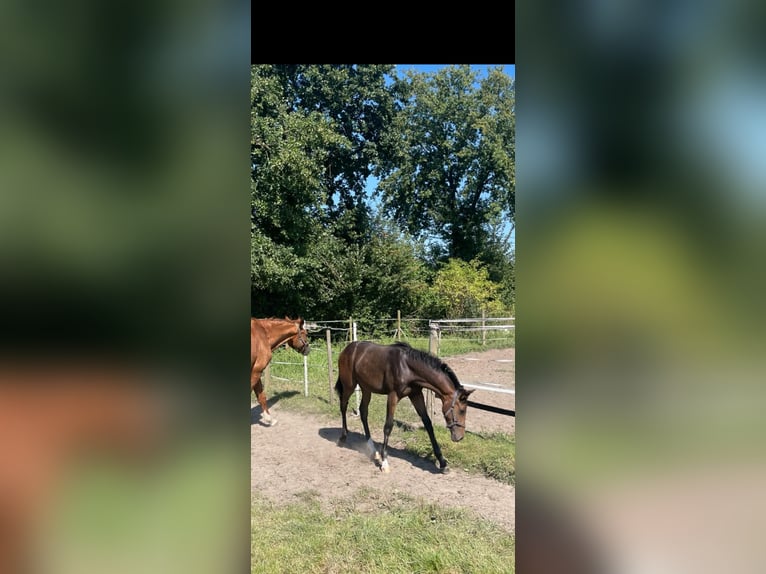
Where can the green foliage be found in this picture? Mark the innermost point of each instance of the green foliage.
(369, 281)
(463, 289)
(315, 132)
(275, 264)
(288, 152)
(394, 279)
(331, 273)
(502, 270)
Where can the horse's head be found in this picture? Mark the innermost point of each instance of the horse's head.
(455, 411)
(300, 341)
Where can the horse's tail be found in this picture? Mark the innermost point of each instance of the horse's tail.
(345, 370)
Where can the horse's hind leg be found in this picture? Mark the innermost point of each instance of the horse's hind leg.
(343, 396)
(261, 396)
(387, 428)
(416, 397)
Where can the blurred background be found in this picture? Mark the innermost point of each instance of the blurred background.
(124, 277)
(641, 140)
(123, 274)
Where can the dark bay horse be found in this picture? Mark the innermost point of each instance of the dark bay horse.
(400, 371)
(265, 336)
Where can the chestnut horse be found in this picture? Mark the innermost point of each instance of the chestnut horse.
(265, 336)
(400, 371)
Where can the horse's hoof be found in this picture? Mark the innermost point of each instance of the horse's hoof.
(272, 422)
(444, 469)
(376, 457)
(384, 466)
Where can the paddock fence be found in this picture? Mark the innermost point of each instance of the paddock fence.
(441, 337)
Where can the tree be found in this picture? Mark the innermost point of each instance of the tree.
(288, 152)
(368, 281)
(449, 173)
(319, 246)
(394, 275)
(316, 133)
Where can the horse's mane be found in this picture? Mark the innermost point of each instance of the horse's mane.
(430, 360)
(275, 319)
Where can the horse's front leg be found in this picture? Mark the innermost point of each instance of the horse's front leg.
(387, 428)
(256, 385)
(363, 411)
(420, 406)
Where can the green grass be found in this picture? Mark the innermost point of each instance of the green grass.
(372, 532)
(492, 455)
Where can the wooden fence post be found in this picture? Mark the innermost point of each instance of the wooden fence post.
(433, 339)
(398, 325)
(329, 362)
(433, 348)
(305, 375)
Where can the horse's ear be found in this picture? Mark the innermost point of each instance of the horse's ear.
(300, 321)
(468, 392)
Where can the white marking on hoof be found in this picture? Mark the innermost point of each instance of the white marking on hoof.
(377, 456)
(272, 422)
(384, 466)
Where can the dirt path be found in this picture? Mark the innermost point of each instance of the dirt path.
(300, 454)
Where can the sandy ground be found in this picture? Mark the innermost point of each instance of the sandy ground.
(495, 368)
(301, 454)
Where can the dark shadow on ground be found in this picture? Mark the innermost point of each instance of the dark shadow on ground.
(256, 411)
(355, 441)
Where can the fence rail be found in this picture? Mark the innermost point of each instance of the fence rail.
(475, 320)
(441, 337)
